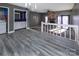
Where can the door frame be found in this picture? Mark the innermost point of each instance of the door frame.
(8, 18)
(14, 16)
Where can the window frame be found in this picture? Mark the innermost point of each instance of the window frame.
(62, 18)
(18, 14)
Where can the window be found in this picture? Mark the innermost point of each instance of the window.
(23, 15)
(17, 15)
(63, 20)
(20, 16)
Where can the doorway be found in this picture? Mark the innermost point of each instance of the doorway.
(19, 19)
(4, 19)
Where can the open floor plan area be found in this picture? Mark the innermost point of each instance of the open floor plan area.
(39, 29)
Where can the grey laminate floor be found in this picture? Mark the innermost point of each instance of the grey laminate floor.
(33, 43)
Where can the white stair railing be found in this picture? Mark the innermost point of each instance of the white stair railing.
(62, 30)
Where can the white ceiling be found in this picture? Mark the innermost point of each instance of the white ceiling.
(19, 4)
(44, 7)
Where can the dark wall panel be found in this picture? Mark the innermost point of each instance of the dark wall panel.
(34, 19)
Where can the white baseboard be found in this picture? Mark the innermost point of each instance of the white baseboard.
(11, 32)
(27, 27)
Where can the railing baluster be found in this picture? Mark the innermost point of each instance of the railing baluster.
(60, 31)
(76, 34)
(41, 26)
(70, 33)
(51, 26)
(50, 29)
(47, 28)
(53, 31)
(56, 33)
(65, 34)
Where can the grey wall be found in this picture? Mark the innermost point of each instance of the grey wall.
(75, 14)
(66, 12)
(11, 20)
(43, 16)
(34, 19)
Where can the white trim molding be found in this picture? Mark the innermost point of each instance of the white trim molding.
(11, 32)
(28, 28)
